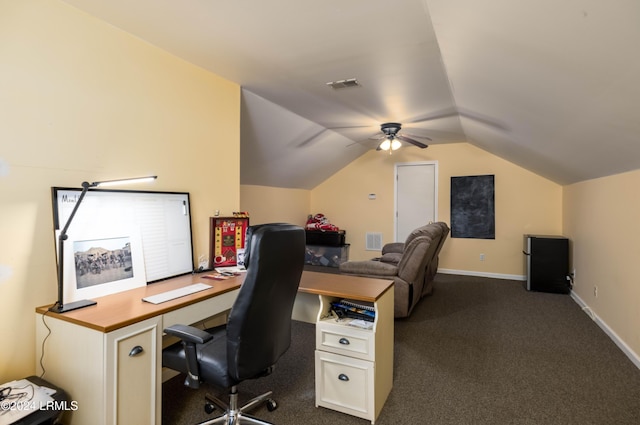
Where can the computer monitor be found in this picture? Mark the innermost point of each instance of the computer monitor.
(160, 220)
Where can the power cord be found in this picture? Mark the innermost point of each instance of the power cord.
(570, 279)
(44, 322)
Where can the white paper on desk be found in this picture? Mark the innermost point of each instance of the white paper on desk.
(231, 269)
(30, 398)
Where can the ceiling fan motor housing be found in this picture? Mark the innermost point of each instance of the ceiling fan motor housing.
(391, 128)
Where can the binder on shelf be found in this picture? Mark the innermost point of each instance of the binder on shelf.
(353, 310)
(358, 304)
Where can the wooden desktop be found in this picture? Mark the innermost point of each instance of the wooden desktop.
(108, 357)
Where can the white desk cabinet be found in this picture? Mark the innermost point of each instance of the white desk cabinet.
(353, 366)
(133, 380)
(108, 357)
(113, 376)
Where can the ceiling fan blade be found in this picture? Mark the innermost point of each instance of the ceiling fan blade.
(445, 113)
(418, 136)
(482, 119)
(378, 136)
(311, 138)
(460, 112)
(339, 127)
(413, 142)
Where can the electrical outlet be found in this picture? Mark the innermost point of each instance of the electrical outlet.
(573, 274)
(481, 257)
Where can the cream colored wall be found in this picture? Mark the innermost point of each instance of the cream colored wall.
(601, 220)
(82, 100)
(272, 204)
(524, 202)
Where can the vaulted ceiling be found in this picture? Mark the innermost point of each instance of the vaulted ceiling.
(550, 85)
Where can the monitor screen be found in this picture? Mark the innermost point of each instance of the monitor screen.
(161, 221)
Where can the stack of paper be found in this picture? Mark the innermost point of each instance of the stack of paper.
(21, 398)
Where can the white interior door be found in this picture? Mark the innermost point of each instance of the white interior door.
(416, 196)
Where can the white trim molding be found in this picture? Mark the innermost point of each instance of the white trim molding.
(632, 355)
(483, 274)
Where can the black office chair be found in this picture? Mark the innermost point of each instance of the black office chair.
(258, 331)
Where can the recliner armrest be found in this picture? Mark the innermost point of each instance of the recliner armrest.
(189, 334)
(395, 247)
(369, 268)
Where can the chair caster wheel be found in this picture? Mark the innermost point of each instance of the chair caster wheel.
(209, 408)
(271, 405)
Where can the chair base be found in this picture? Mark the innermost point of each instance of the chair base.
(237, 416)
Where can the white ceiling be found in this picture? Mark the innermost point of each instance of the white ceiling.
(550, 85)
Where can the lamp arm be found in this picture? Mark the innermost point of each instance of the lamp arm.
(63, 237)
(58, 307)
(85, 188)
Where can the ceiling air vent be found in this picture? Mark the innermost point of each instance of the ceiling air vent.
(343, 84)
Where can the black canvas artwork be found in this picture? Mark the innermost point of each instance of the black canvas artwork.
(473, 207)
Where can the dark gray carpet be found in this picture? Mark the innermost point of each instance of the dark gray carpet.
(477, 351)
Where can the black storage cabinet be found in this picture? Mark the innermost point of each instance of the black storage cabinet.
(547, 263)
(325, 238)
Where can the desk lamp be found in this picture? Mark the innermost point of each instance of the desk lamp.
(59, 306)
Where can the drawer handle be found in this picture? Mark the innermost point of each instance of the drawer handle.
(343, 377)
(344, 341)
(135, 351)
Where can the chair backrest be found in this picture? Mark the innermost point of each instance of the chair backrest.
(433, 265)
(259, 325)
(249, 234)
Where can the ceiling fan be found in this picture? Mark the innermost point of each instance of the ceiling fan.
(391, 139)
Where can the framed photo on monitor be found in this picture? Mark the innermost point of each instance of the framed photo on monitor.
(104, 261)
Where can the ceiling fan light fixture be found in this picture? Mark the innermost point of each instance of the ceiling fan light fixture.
(385, 145)
(390, 143)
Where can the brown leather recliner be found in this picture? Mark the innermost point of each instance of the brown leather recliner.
(411, 265)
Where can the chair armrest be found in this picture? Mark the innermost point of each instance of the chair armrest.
(396, 247)
(189, 334)
(369, 268)
(392, 258)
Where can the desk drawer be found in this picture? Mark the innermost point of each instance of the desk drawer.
(345, 384)
(202, 310)
(345, 340)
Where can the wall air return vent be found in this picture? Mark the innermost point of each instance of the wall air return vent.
(343, 84)
(374, 241)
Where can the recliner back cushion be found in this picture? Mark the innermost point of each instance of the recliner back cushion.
(433, 230)
(413, 258)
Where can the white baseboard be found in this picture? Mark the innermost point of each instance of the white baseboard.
(483, 274)
(632, 355)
